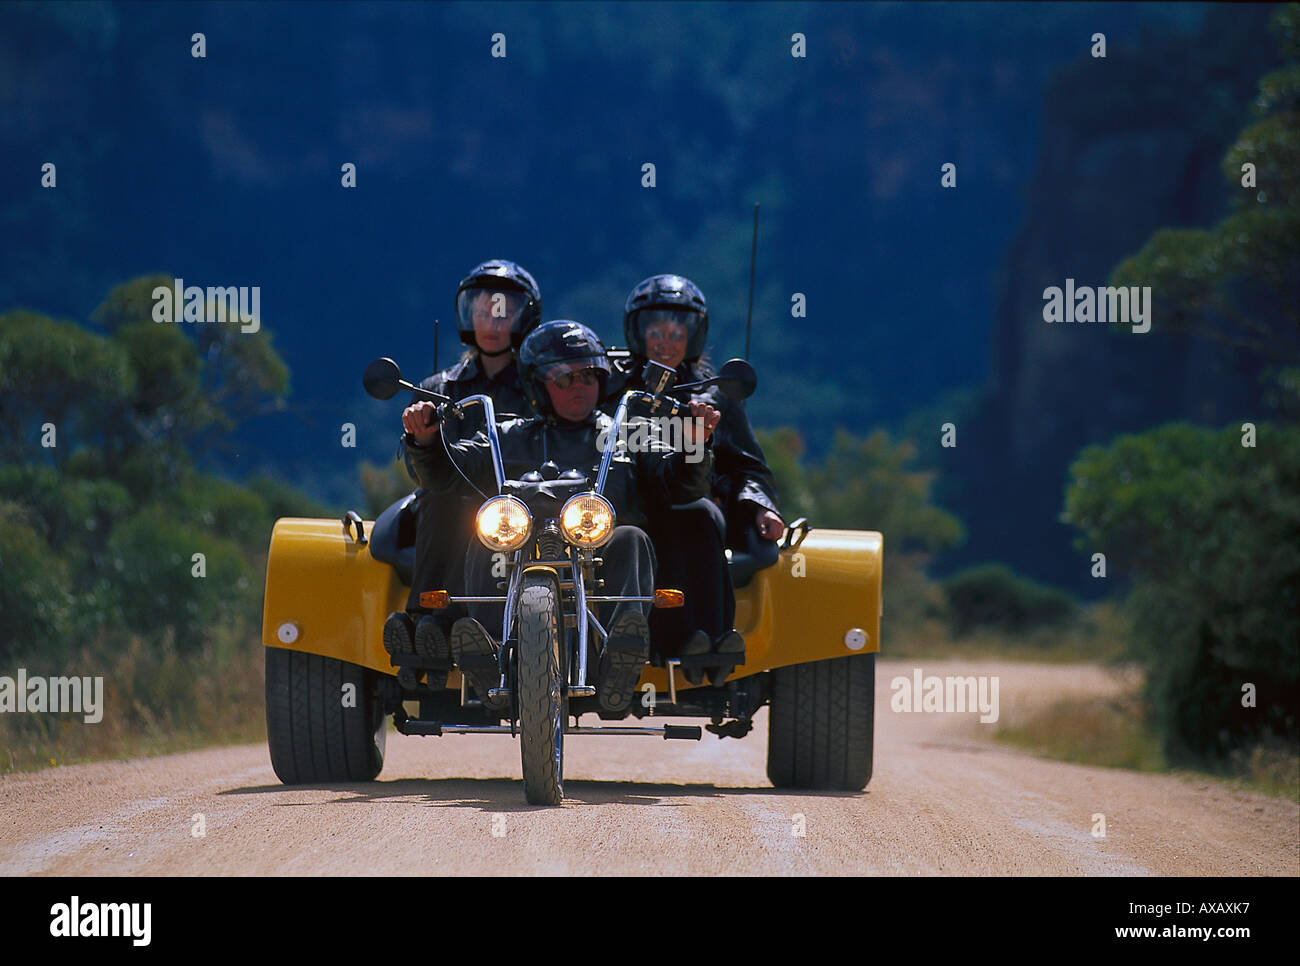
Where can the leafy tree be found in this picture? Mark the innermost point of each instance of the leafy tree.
(57, 372)
(100, 531)
(151, 571)
(35, 603)
(192, 385)
(1206, 533)
(1237, 282)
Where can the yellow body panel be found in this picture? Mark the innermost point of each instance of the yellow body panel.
(335, 597)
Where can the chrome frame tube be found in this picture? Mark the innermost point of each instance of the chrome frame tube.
(580, 594)
(612, 438)
(494, 442)
(512, 592)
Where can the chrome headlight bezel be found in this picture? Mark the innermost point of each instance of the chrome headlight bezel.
(572, 536)
(517, 542)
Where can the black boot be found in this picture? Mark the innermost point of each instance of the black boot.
(476, 656)
(698, 644)
(399, 634)
(622, 659)
(431, 640)
(730, 651)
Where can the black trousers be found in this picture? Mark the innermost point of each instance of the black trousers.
(628, 571)
(689, 544)
(444, 523)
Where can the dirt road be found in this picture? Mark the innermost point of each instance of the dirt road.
(943, 800)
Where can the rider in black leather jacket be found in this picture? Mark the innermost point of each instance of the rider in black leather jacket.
(497, 304)
(666, 319)
(564, 371)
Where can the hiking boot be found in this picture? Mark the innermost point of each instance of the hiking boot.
(476, 655)
(621, 660)
(431, 641)
(399, 634)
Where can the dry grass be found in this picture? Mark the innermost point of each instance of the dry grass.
(1096, 637)
(1113, 733)
(156, 701)
(1107, 732)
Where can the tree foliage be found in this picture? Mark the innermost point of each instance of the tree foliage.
(1206, 534)
(101, 530)
(1236, 282)
(1200, 526)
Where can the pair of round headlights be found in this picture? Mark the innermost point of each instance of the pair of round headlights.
(504, 523)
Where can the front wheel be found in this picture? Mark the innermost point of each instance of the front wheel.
(821, 724)
(540, 685)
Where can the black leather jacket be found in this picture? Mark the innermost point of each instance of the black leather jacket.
(739, 466)
(467, 378)
(654, 477)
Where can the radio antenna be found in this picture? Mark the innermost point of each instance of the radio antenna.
(753, 253)
(435, 346)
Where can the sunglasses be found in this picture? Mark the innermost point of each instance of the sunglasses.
(588, 377)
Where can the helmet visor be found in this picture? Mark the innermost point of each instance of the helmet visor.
(566, 370)
(490, 311)
(674, 328)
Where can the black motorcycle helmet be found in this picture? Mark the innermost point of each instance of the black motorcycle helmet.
(662, 297)
(520, 301)
(553, 349)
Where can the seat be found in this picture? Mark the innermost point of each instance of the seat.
(392, 540)
(755, 554)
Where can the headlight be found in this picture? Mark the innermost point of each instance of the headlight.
(587, 520)
(503, 523)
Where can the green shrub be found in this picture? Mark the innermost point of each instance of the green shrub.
(35, 605)
(992, 596)
(1207, 533)
(150, 569)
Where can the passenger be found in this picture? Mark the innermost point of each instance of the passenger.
(497, 304)
(564, 370)
(666, 319)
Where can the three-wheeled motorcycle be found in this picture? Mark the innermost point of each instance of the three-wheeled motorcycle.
(808, 608)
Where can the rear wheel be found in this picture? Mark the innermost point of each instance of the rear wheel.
(323, 721)
(540, 685)
(821, 724)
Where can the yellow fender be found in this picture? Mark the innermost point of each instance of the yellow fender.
(326, 595)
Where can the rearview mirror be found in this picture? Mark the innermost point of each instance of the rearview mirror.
(382, 378)
(737, 379)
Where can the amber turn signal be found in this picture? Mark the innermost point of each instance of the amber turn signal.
(435, 599)
(669, 598)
